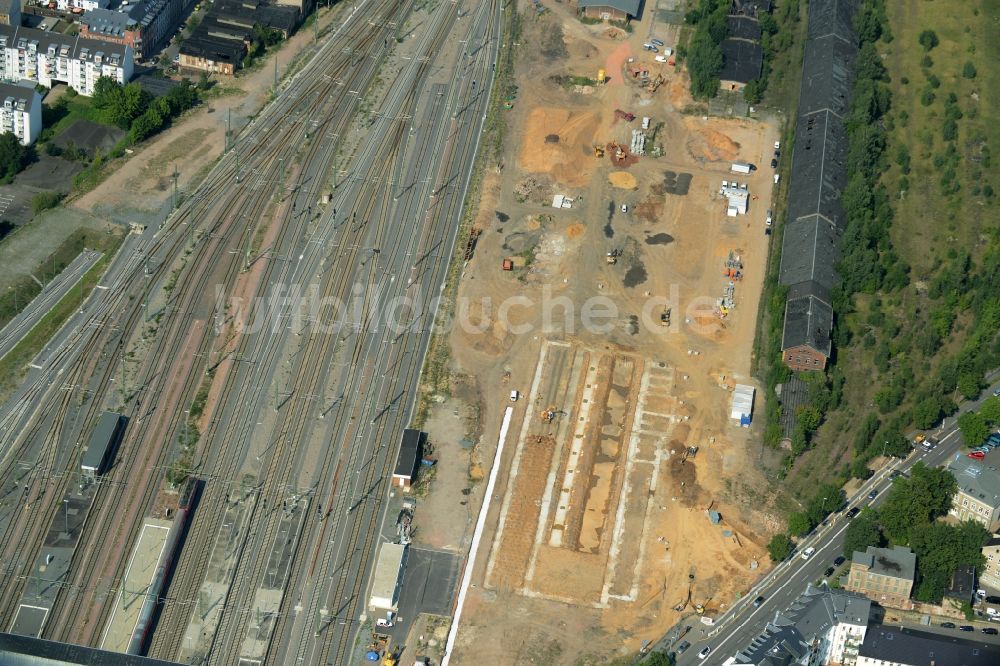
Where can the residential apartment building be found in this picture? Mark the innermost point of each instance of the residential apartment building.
(895, 646)
(84, 5)
(822, 626)
(884, 575)
(978, 494)
(48, 58)
(10, 12)
(21, 112)
(990, 575)
(145, 25)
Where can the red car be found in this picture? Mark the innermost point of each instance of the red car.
(978, 455)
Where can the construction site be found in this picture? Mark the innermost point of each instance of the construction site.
(628, 495)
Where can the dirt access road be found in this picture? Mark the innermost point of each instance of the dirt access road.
(600, 524)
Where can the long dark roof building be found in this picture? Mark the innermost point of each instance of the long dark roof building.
(896, 645)
(816, 220)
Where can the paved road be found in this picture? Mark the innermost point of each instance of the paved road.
(741, 623)
(52, 293)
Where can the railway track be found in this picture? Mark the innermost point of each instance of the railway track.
(171, 245)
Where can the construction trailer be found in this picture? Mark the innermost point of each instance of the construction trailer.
(411, 450)
(740, 167)
(103, 443)
(742, 410)
(388, 577)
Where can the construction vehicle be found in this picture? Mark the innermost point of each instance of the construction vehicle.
(548, 414)
(681, 606)
(700, 608)
(655, 83)
(612, 256)
(665, 317)
(598, 151)
(624, 115)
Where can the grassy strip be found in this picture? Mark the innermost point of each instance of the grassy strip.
(19, 294)
(435, 376)
(13, 365)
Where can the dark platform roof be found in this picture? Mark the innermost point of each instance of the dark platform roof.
(409, 453)
(743, 27)
(201, 45)
(910, 646)
(741, 60)
(819, 168)
(808, 321)
(832, 17)
(248, 12)
(963, 583)
(630, 7)
(827, 76)
(102, 441)
(26, 651)
(809, 251)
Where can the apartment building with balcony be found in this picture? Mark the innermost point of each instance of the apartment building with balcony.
(821, 626)
(49, 58)
(21, 112)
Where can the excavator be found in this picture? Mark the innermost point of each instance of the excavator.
(598, 151)
(548, 414)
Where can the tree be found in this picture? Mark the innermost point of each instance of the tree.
(973, 427)
(862, 531)
(928, 39)
(942, 548)
(657, 659)
(13, 157)
(105, 91)
(44, 201)
(916, 501)
(799, 524)
(969, 70)
(780, 547)
(927, 412)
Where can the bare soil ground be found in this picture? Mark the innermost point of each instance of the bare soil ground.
(599, 525)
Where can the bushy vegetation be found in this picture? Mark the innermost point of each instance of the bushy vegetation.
(13, 157)
(776, 37)
(704, 51)
(132, 108)
(44, 201)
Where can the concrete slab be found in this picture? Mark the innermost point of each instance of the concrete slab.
(429, 580)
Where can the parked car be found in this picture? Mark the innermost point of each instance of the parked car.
(774, 164)
(895, 475)
(996, 392)
(704, 651)
(624, 208)
(840, 560)
(829, 572)
(992, 631)
(853, 512)
(660, 58)
(947, 625)
(966, 627)
(682, 648)
(770, 218)
(873, 494)
(656, 42)
(978, 455)
(808, 552)
(757, 602)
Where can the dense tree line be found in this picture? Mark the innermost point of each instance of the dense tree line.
(132, 108)
(704, 51)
